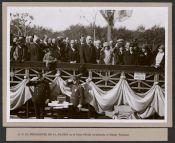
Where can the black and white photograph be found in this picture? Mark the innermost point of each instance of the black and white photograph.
(87, 64)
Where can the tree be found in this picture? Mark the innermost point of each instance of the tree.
(20, 23)
(141, 28)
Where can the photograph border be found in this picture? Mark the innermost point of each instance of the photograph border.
(152, 123)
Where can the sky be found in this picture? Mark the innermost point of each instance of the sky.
(59, 18)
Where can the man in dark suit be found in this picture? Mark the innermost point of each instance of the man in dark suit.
(73, 53)
(35, 51)
(145, 56)
(88, 52)
(131, 57)
(40, 96)
(98, 49)
(77, 96)
(120, 56)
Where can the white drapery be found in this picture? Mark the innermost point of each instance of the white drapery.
(144, 104)
(19, 94)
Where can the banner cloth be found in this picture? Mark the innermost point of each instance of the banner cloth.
(144, 104)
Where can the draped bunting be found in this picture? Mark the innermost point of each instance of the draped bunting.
(143, 104)
(19, 94)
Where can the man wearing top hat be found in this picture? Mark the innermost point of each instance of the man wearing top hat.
(40, 96)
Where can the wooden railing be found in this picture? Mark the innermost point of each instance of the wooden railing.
(104, 76)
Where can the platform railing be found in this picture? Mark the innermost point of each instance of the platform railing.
(104, 76)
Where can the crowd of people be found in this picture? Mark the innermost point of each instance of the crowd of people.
(85, 50)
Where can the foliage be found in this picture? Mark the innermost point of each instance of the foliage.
(152, 36)
(20, 23)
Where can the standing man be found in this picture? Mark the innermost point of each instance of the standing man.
(35, 52)
(40, 96)
(130, 57)
(18, 52)
(73, 53)
(98, 49)
(77, 96)
(88, 52)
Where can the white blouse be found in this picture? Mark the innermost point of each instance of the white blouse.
(159, 58)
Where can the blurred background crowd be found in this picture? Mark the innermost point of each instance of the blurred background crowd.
(85, 50)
